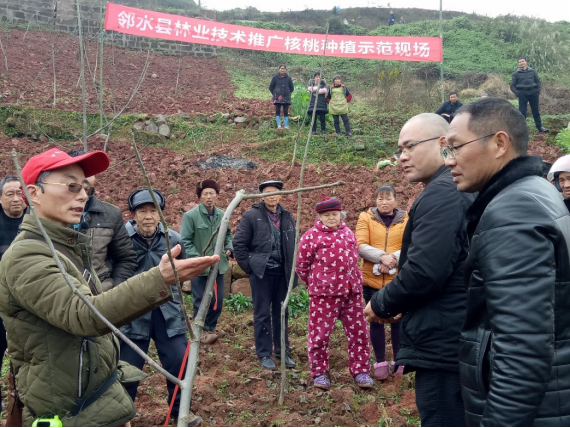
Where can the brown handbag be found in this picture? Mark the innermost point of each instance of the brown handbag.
(15, 405)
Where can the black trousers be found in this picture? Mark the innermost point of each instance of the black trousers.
(344, 121)
(533, 101)
(267, 294)
(321, 116)
(3, 347)
(438, 398)
(285, 109)
(198, 288)
(170, 351)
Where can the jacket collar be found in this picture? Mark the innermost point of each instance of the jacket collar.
(62, 235)
(95, 205)
(398, 218)
(441, 170)
(516, 169)
(203, 210)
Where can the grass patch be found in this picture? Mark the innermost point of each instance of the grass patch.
(248, 86)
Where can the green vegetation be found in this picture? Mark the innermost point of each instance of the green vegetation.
(238, 303)
(299, 303)
(563, 140)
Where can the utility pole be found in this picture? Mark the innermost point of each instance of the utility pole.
(441, 37)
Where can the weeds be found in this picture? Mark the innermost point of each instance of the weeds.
(299, 303)
(563, 140)
(238, 303)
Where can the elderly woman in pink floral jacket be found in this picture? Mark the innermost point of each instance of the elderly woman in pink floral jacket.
(328, 263)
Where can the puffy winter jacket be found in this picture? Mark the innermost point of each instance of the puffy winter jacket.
(61, 351)
(429, 288)
(281, 87)
(148, 256)
(253, 241)
(371, 230)
(114, 258)
(327, 261)
(514, 353)
(525, 82)
(321, 96)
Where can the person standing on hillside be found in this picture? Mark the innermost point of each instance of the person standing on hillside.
(281, 88)
(391, 19)
(264, 244)
(114, 258)
(338, 98)
(318, 90)
(514, 351)
(525, 84)
(428, 289)
(10, 219)
(65, 358)
(448, 109)
(198, 226)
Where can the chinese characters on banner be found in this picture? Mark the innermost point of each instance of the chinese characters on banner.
(140, 22)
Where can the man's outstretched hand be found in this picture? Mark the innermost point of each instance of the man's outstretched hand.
(187, 268)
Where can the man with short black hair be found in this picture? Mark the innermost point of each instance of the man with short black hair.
(525, 84)
(10, 219)
(514, 350)
(114, 258)
(65, 358)
(448, 109)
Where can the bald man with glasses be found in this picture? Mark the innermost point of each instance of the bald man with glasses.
(428, 290)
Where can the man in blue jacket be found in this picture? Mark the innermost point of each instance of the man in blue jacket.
(525, 84)
(165, 325)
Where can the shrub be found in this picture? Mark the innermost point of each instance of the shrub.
(563, 140)
(238, 303)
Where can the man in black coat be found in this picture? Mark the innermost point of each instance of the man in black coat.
(114, 258)
(525, 84)
(428, 289)
(514, 354)
(264, 244)
(448, 109)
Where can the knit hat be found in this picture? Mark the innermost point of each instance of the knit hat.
(329, 204)
(207, 184)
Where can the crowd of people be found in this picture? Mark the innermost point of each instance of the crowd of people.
(472, 280)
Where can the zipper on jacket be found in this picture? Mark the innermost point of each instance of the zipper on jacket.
(385, 250)
(82, 349)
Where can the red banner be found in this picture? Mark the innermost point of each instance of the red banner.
(140, 22)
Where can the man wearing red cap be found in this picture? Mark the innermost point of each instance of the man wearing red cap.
(198, 226)
(65, 359)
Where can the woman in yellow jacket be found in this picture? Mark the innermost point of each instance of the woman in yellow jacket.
(379, 233)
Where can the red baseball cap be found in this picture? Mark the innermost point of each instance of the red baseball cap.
(92, 163)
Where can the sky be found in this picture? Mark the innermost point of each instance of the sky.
(550, 10)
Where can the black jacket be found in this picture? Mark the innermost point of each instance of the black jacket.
(514, 355)
(281, 89)
(148, 256)
(525, 82)
(449, 108)
(114, 258)
(429, 289)
(322, 105)
(252, 241)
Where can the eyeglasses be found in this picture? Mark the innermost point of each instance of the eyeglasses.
(409, 148)
(450, 151)
(72, 187)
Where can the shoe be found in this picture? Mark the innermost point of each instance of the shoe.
(314, 132)
(363, 380)
(349, 134)
(267, 363)
(324, 132)
(381, 370)
(286, 122)
(543, 129)
(339, 134)
(399, 371)
(289, 363)
(322, 382)
(220, 333)
(208, 337)
(278, 121)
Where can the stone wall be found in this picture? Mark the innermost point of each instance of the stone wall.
(36, 13)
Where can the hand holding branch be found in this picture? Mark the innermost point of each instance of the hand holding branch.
(187, 268)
